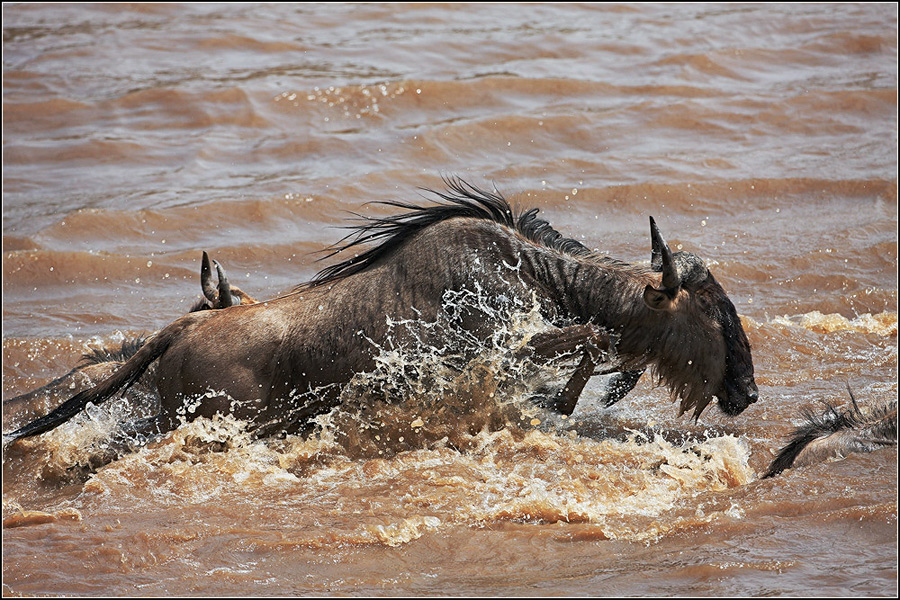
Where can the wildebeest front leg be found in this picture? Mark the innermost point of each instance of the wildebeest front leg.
(566, 340)
(588, 339)
(566, 399)
(619, 384)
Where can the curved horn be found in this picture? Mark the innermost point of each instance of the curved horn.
(226, 299)
(206, 279)
(661, 259)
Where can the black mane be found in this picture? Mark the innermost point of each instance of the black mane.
(104, 355)
(878, 424)
(461, 199)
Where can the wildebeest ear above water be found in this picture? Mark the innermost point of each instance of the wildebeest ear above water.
(226, 298)
(221, 297)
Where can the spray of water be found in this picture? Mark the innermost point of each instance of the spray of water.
(449, 424)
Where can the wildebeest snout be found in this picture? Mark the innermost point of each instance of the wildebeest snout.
(751, 391)
(737, 395)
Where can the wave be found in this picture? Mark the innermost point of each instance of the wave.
(882, 324)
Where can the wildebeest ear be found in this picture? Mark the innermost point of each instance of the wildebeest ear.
(658, 299)
(225, 298)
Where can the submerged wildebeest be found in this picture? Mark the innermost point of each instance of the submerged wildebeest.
(835, 434)
(221, 295)
(100, 363)
(278, 363)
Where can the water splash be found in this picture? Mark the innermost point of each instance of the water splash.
(444, 432)
(883, 324)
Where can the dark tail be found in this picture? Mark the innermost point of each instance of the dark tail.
(122, 379)
(837, 433)
(57, 387)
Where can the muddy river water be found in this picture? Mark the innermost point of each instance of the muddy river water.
(761, 137)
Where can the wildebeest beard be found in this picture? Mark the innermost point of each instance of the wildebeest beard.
(687, 356)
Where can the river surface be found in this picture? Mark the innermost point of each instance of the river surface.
(762, 137)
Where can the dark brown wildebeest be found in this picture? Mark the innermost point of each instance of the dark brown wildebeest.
(280, 362)
(98, 364)
(835, 434)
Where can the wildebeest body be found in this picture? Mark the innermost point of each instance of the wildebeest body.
(324, 334)
(278, 362)
(99, 364)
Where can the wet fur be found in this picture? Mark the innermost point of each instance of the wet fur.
(673, 347)
(319, 336)
(836, 433)
(99, 363)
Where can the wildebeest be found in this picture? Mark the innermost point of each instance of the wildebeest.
(100, 363)
(276, 364)
(835, 434)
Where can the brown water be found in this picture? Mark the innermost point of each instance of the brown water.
(761, 137)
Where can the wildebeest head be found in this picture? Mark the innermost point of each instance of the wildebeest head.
(708, 353)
